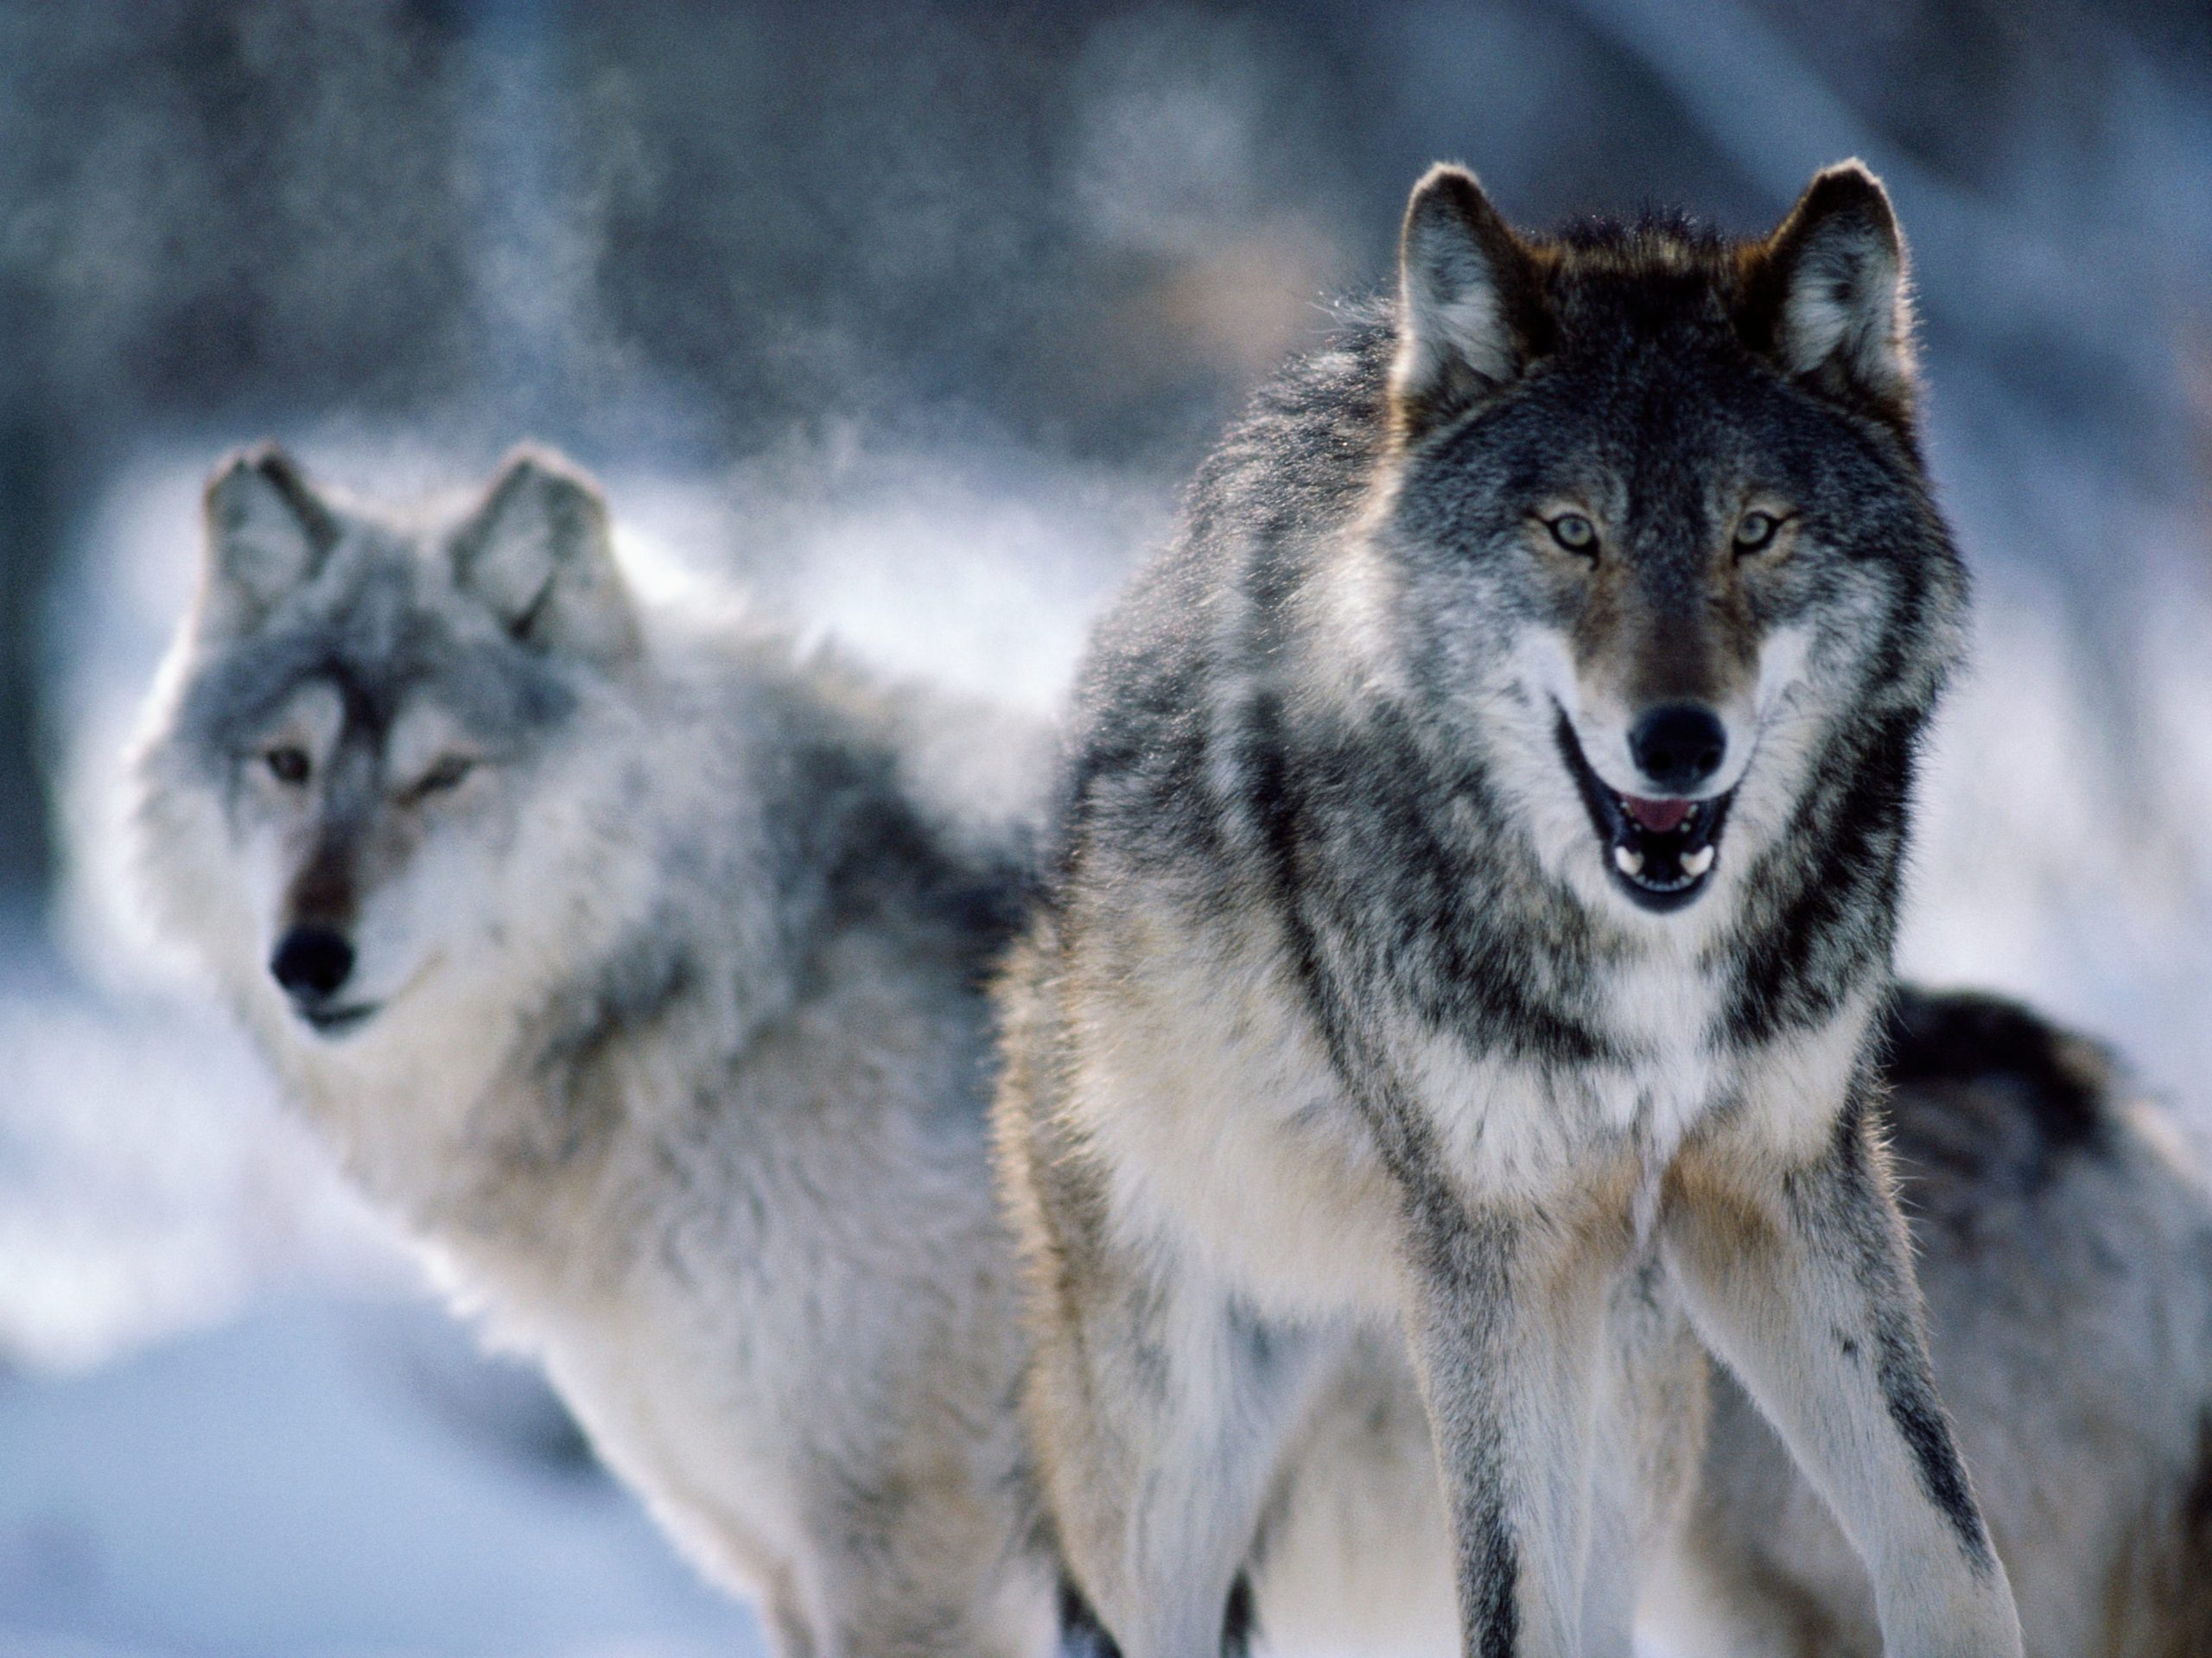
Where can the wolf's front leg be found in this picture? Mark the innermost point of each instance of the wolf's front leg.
(1157, 1409)
(1507, 1321)
(1798, 1275)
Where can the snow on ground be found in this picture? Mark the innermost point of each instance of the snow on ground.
(323, 1478)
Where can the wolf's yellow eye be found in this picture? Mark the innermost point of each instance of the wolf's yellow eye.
(288, 764)
(1755, 531)
(1575, 532)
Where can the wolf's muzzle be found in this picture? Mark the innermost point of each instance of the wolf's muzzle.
(1660, 852)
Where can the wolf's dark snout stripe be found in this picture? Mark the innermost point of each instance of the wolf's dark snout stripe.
(1679, 745)
(312, 961)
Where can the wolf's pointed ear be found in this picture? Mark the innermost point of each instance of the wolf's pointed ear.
(539, 551)
(268, 533)
(1471, 311)
(1826, 294)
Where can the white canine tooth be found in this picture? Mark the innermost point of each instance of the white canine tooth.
(1698, 862)
(1628, 861)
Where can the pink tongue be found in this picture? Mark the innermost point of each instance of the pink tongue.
(1657, 816)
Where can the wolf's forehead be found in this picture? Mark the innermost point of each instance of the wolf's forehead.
(371, 607)
(1648, 316)
(374, 661)
(1656, 270)
(1659, 396)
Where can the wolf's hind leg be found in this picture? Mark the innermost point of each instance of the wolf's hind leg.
(1800, 1278)
(1159, 1409)
(910, 1556)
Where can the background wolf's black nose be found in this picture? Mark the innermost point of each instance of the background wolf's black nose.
(312, 960)
(1678, 746)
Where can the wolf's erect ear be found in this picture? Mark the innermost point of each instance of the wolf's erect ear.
(1470, 312)
(268, 533)
(540, 552)
(1826, 294)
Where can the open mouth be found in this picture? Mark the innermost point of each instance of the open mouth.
(336, 1022)
(1661, 853)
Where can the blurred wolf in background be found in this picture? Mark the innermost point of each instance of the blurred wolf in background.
(633, 961)
(2064, 1236)
(1471, 914)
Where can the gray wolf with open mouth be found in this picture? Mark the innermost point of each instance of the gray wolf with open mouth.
(1474, 893)
(634, 958)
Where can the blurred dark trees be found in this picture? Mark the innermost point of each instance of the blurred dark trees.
(208, 213)
(681, 228)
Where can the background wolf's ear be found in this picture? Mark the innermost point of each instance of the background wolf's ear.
(268, 533)
(1470, 312)
(539, 551)
(1826, 296)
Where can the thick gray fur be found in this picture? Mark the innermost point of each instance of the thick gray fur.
(2061, 1226)
(1341, 1011)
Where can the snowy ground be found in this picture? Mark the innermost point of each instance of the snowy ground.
(326, 1476)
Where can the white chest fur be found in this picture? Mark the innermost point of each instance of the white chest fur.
(1227, 1128)
(1514, 1131)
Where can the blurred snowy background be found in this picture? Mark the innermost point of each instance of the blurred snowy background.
(914, 318)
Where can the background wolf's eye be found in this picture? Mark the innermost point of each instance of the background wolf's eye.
(446, 774)
(1755, 531)
(287, 764)
(1575, 532)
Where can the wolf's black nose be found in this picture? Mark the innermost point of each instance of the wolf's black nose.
(312, 961)
(1678, 746)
